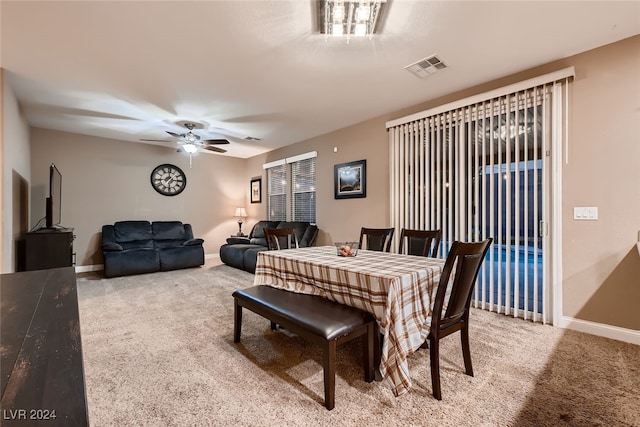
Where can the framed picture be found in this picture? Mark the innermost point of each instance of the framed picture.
(256, 190)
(350, 180)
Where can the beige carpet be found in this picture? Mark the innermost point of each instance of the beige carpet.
(158, 351)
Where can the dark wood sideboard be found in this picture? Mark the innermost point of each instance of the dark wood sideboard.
(49, 248)
(41, 354)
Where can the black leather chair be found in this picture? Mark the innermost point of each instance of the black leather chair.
(281, 238)
(377, 239)
(420, 242)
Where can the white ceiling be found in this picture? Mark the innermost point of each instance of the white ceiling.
(130, 70)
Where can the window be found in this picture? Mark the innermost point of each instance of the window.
(291, 189)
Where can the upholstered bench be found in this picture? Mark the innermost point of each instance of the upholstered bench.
(317, 319)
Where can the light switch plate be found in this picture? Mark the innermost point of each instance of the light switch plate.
(585, 213)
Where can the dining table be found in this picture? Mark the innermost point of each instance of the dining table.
(397, 289)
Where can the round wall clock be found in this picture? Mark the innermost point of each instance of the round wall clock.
(168, 180)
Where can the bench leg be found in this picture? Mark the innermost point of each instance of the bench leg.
(237, 320)
(329, 361)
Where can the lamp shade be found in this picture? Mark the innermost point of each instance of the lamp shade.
(241, 213)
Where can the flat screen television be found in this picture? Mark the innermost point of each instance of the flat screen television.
(54, 201)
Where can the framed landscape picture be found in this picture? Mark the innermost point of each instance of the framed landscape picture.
(350, 180)
(256, 190)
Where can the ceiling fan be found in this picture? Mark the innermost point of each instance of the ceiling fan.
(192, 143)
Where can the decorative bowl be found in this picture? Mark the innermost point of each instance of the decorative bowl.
(347, 248)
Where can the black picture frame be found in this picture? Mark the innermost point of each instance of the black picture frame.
(350, 180)
(255, 190)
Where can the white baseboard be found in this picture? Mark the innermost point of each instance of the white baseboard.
(87, 268)
(100, 267)
(614, 332)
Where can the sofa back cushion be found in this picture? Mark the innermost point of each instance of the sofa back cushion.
(258, 229)
(299, 226)
(130, 231)
(168, 234)
(168, 230)
(257, 232)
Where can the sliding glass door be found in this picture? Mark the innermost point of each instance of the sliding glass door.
(483, 170)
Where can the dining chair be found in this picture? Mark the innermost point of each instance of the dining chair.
(420, 242)
(463, 261)
(377, 239)
(281, 238)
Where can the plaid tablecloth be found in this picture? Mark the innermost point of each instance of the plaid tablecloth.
(397, 289)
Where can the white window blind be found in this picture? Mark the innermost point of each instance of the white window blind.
(277, 193)
(291, 188)
(481, 168)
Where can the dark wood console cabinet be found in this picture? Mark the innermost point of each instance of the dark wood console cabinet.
(49, 248)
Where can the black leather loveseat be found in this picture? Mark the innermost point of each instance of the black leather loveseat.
(136, 247)
(242, 252)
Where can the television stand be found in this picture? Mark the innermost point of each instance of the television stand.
(49, 248)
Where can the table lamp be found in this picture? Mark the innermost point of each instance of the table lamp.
(240, 213)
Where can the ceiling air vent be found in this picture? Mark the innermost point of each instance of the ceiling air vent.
(426, 66)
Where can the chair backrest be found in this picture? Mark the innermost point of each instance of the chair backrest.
(377, 239)
(281, 238)
(464, 261)
(420, 242)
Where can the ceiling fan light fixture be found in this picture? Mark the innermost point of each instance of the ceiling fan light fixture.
(190, 148)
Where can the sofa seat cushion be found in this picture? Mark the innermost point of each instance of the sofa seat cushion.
(137, 244)
(180, 257)
(250, 258)
(233, 255)
(167, 243)
(132, 261)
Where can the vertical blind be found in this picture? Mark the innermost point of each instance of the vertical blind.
(291, 188)
(478, 170)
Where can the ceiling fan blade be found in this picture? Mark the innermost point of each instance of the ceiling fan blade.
(180, 149)
(175, 135)
(233, 134)
(215, 141)
(155, 140)
(216, 149)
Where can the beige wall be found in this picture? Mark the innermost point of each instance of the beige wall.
(601, 267)
(105, 181)
(341, 219)
(2, 270)
(16, 175)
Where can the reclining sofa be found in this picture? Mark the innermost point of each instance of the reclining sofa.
(242, 252)
(136, 247)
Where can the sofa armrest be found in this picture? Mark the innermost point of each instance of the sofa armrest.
(111, 247)
(238, 240)
(193, 242)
